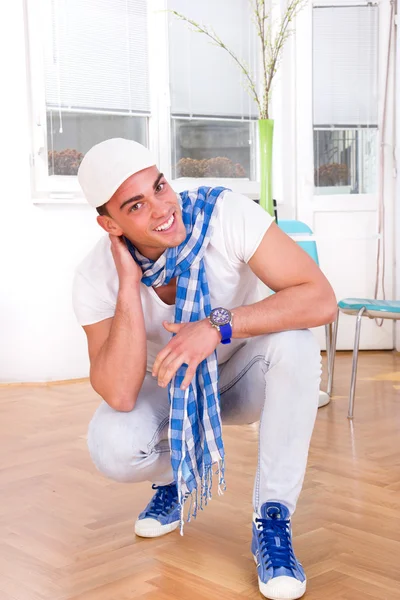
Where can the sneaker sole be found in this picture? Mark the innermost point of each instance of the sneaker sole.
(152, 532)
(270, 591)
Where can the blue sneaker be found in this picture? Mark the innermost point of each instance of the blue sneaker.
(161, 515)
(280, 575)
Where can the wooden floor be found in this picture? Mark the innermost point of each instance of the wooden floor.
(67, 533)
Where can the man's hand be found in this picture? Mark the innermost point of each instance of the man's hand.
(127, 268)
(192, 343)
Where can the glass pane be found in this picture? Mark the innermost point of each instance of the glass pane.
(70, 136)
(212, 148)
(205, 81)
(345, 161)
(345, 101)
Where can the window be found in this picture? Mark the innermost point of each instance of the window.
(129, 68)
(212, 115)
(92, 57)
(345, 107)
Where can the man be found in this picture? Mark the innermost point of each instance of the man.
(193, 265)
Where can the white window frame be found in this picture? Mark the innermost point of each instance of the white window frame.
(51, 189)
(42, 186)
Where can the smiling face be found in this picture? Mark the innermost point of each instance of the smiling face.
(146, 210)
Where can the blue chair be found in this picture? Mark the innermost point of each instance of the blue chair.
(359, 307)
(299, 232)
(294, 227)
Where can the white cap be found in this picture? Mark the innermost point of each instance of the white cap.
(107, 165)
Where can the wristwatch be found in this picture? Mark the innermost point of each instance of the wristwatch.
(221, 319)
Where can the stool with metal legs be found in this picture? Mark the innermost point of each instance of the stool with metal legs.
(360, 307)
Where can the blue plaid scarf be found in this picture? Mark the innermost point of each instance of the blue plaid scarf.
(195, 433)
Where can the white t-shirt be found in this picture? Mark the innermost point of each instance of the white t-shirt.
(239, 228)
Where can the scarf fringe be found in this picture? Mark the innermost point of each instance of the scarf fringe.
(202, 492)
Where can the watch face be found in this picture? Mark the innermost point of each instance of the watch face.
(220, 316)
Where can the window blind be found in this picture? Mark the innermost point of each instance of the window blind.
(204, 79)
(96, 57)
(345, 65)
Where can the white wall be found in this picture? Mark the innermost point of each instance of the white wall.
(39, 245)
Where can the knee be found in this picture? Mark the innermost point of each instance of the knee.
(297, 348)
(113, 443)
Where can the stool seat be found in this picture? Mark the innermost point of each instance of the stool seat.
(385, 309)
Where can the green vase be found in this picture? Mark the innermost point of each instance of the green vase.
(266, 136)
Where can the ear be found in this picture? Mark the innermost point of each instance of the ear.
(109, 225)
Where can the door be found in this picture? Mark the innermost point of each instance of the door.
(344, 151)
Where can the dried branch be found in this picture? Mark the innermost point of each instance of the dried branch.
(284, 33)
(218, 42)
(271, 46)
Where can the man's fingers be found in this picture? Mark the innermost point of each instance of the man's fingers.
(170, 371)
(161, 356)
(190, 373)
(172, 356)
(173, 327)
(118, 246)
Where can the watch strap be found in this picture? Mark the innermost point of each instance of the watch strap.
(226, 333)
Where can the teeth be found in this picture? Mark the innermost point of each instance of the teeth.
(166, 225)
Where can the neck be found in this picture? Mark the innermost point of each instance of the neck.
(151, 254)
(148, 252)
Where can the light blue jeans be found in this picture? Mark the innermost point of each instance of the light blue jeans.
(272, 378)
